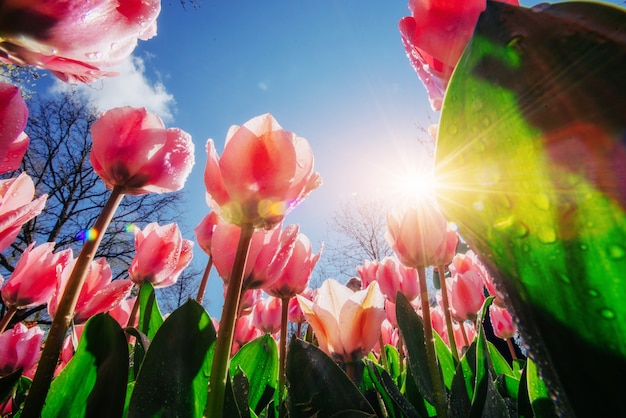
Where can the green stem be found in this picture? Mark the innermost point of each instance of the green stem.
(431, 355)
(383, 353)
(65, 311)
(221, 357)
(509, 344)
(446, 312)
(282, 356)
(205, 279)
(6, 319)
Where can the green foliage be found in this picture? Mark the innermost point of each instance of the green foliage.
(258, 362)
(93, 384)
(319, 387)
(174, 375)
(530, 159)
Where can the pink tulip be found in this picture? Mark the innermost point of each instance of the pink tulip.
(367, 271)
(435, 36)
(293, 277)
(20, 349)
(389, 333)
(35, 276)
(204, 231)
(17, 207)
(502, 322)
(13, 118)
(132, 149)
(248, 300)
(466, 293)
(121, 312)
(394, 277)
(295, 313)
(417, 234)
(266, 314)
(245, 331)
(74, 39)
(346, 323)
(161, 255)
(263, 173)
(268, 249)
(462, 263)
(98, 294)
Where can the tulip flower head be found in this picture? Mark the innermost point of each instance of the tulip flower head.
(393, 277)
(263, 173)
(435, 36)
(133, 150)
(98, 294)
(17, 207)
(204, 231)
(19, 348)
(418, 234)
(266, 314)
(13, 118)
(292, 277)
(74, 39)
(502, 322)
(161, 255)
(466, 293)
(35, 276)
(346, 323)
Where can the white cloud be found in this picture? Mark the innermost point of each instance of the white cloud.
(130, 88)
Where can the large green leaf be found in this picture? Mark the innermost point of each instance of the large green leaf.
(531, 165)
(412, 329)
(174, 376)
(318, 386)
(150, 318)
(93, 383)
(258, 360)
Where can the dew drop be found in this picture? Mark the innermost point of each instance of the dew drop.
(547, 235)
(616, 252)
(565, 279)
(584, 247)
(593, 293)
(519, 229)
(607, 313)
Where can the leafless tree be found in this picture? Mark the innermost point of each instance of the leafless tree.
(58, 161)
(356, 233)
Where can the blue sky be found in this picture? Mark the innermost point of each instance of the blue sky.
(333, 71)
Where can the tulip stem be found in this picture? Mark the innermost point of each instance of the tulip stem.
(6, 319)
(383, 353)
(221, 357)
(205, 279)
(65, 311)
(509, 344)
(431, 355)
(283, 355)
(446, 312)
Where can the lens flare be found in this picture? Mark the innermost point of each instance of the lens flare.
(87, 234)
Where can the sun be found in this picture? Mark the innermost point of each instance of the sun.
(413, 184)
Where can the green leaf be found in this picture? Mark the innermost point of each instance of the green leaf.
(412, 329)
(237, 396)
(394, 367)
(446, 361)
(258, 359)
(393, 399)
(93, 383)
(530, 164)
(174, 376)
(150, 318)
(536, 393)
(318, 386)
